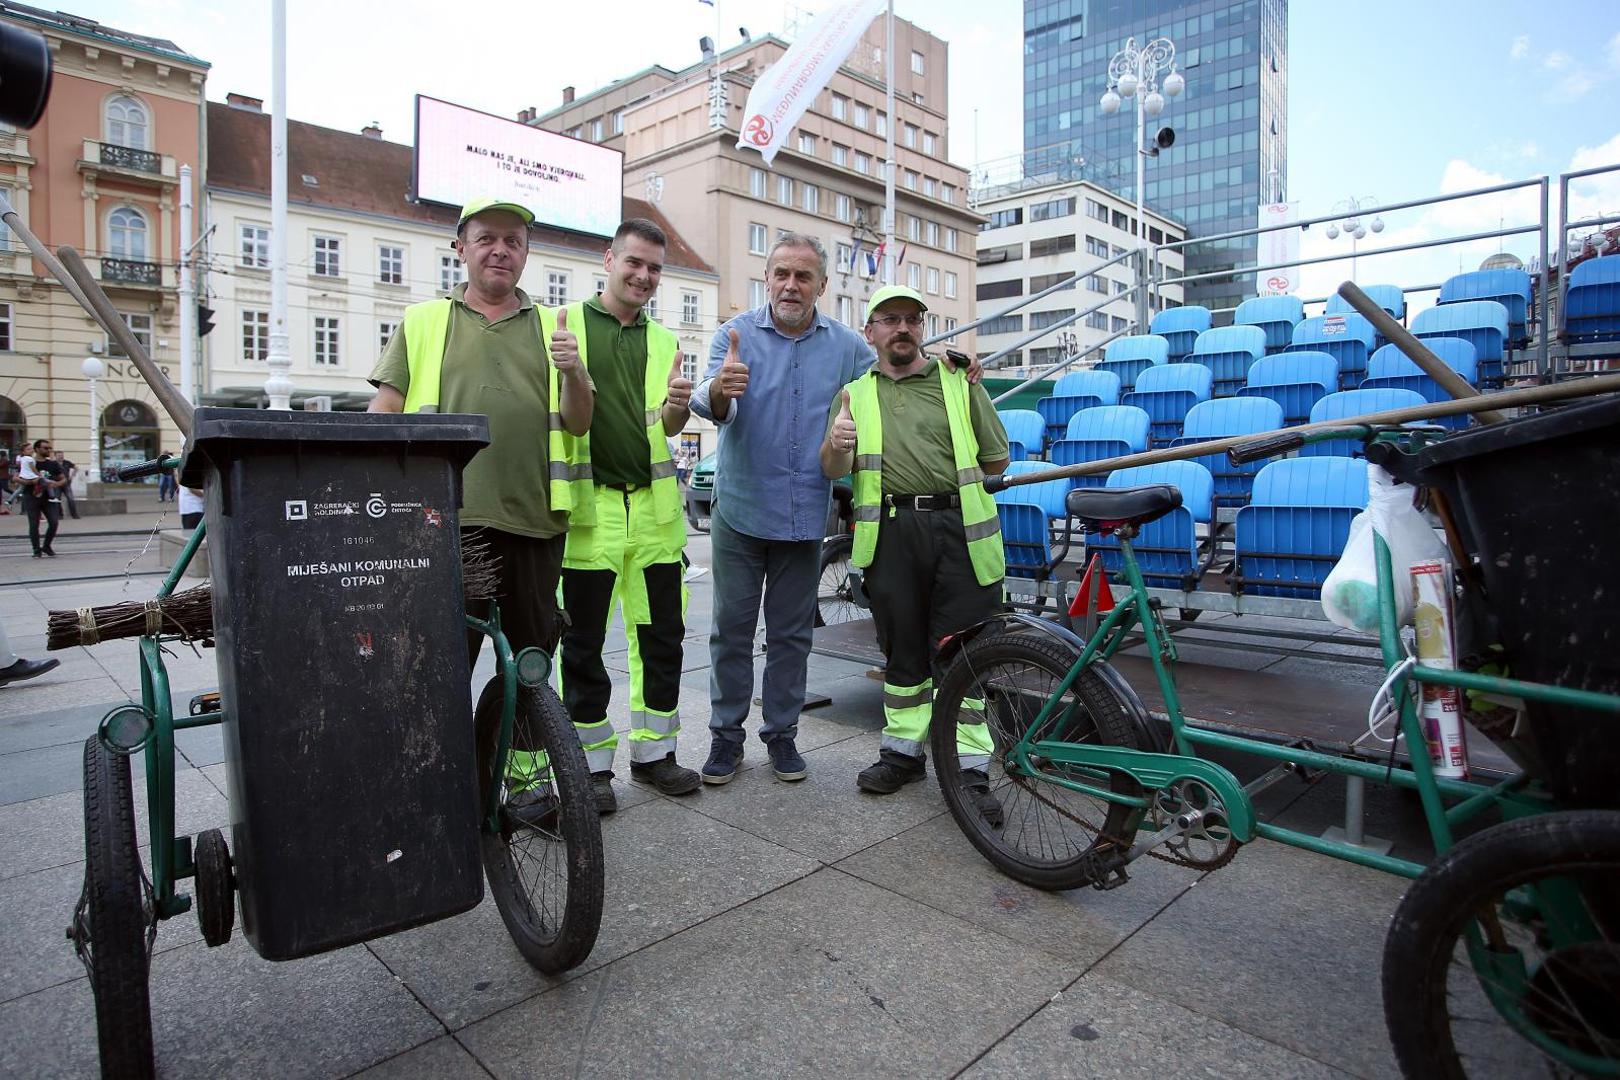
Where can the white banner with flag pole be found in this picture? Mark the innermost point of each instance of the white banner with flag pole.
(788, 86)
(1279, 247)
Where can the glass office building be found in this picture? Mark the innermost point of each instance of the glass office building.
(1231, 123)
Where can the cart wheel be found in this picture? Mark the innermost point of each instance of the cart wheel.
(1504, 957)
(834, 602)
(114, 923)
(216, 888)
(546, 876)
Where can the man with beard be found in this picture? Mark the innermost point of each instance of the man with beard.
(921, 440)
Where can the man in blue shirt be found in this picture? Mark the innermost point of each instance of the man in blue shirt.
(772, 376)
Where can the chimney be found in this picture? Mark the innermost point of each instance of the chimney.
(245, 103)
(568, 95)
(526, 116)
(372, 131)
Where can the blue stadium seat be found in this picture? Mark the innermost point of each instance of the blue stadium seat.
(1592, 308)
(1294, 380)
(1128, 357)
(1075, 391)
(1388, 297)
(1276, 315)
(1348, 403)
(1180, 327)
(1223, 418)
(1027, 513)
(1296, 524)
(1510, 288)
(1228, 351)
(1095, 434)
(1346, 338)
(1167, 392)
(1392, 369)
(1026, 433)
(1482, 323)
(1166, 549)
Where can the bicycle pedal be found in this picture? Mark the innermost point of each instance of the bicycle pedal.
(205, 703)
(1111, 878)
(1308, 774)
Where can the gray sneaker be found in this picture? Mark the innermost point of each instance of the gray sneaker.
(724, 757)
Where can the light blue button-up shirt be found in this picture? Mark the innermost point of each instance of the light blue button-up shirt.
(767, 480)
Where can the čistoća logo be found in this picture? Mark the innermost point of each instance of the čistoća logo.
(758, 130)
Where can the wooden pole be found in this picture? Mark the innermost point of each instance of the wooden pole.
(1534, 395)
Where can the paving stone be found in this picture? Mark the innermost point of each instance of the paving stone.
(442, 1059)
(49, 694)
(1098, 1028)
(853, 999)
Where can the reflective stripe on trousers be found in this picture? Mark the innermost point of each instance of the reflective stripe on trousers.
(598, 740)
(908, 710)
(652, 734)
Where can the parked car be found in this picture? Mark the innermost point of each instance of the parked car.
(700, 494)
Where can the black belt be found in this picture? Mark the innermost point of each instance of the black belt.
(946, 501)
(627, 488)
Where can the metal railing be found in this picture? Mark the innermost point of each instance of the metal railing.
(1565, 225)
(127, 157)
(131, 272)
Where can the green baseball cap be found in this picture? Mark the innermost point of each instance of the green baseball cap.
(479, 206)
(893, 292)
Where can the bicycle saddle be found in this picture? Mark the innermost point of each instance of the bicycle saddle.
(1123, 506)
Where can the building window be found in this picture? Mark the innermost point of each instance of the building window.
(5, 327)
(140, 326)
(652, 306)
(451, 272)
(1097, 283)
(950, 285)
(128, 123)
(911, 180)
(1055, 208)
(933, 325)
(807, 143)
(1042, 282)
(689, 308)
(756, 238)
(1097, 321)
(1040, 320)
(598, 286)
(1096, 247)
(882, 129)
(843, 208)
(689, 366)
(908, 135)
(846, 310)
(933, 281)
(126, 234)
(556, 288)
(255, 335)
(328, 256)
(618, 123)
(385, 334)
(1001, 290)
(1096, 210)
(812, 198)
(917, 64)
(756, 183)
(914, 228)
(840, 107)
(950, 239)
(914, 276)
(756, 293)
(391, 264)
(596, 130)
(1002, 324)
(326, 340)
(1119, 287)
(1001, 219)
(1051, 245)
(931, 233)
(840, 154)
(254, 241)
(947, 193)
(845, 256)
(863, 163)
(863, 116)
(1116, 323)
(1121, 222)
(950, 326)
(928, 186)
(928, 143)
(784, 190)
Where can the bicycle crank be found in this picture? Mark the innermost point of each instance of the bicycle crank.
(1191, 823)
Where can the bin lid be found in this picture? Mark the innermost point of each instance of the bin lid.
(219, 435)
(1522, 432)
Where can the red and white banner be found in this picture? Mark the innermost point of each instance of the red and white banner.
(1277, 247)
(788, 87)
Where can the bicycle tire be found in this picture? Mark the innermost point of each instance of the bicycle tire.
(119, 915)
(1104, 715)
(833, 603)
(553, 938)
(1425, 978)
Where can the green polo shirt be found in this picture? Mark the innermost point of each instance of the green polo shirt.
(917, 455)
(499, 369)
(617, 355)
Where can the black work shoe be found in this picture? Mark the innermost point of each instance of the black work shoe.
(602, 788)
(724, 757)
(892, 772)
(26, 669)
(977, 784)
(668, 777)
(536, 808)
(49, 552)
(785, 760)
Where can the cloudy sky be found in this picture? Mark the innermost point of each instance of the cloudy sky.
(1399, 101)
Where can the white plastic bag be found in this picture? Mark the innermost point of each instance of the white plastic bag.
(1350, 593)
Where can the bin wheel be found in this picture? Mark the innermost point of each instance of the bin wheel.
(546, 876)
(1503, 959)
(216, 888)
(115, 920)
(835, 602)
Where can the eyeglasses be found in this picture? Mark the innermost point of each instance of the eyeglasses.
(892, 321)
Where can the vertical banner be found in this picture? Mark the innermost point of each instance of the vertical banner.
(1277, 247)
(788, 86)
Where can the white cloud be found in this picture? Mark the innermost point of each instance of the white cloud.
(1520, 46)
(1594, 195)
(1574, 86)
(1556, 61)
(1612, 51)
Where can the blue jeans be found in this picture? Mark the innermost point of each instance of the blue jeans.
(786, 573)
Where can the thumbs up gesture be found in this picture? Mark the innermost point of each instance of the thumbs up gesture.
(843, 430)
(678, 395)
(733, 377)
(564, 347)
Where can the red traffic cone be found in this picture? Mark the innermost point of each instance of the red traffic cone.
(1105, 596)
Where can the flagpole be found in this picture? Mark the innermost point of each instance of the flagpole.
(888, 169)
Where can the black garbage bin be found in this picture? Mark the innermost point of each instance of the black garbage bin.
(336, 564)
(1538, 503)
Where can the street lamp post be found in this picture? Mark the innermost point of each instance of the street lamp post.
(1134, 73)
(1352, 208)
(93, 369)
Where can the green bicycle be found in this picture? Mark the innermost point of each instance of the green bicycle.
(1505, 950)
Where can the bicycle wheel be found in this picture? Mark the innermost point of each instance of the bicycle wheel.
(1045, 832)
(114, 921)
(546, 879)
(1504, 957)
(834, 602)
